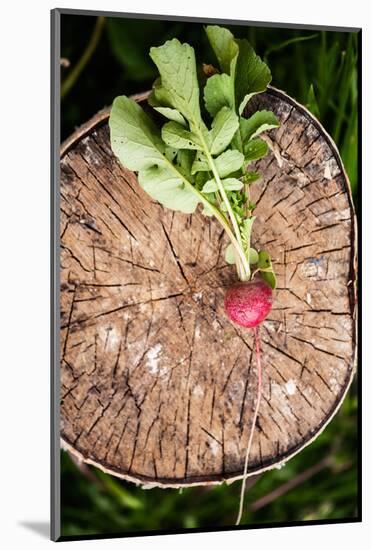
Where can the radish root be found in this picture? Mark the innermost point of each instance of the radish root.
(258, 399)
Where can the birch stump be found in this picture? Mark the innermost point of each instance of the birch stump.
(157, 386)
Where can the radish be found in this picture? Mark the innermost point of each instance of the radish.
(203, 157)
(247, 304)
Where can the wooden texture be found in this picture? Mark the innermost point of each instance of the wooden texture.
(157, 386)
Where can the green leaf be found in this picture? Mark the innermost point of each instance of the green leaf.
(223, 128)
(160, 100)
(164, 186)
(259, 122)
(255, 149)
(228, 162)
(206, 211)
(136, 142)
(170, 153)
(174, 135)
(175, 166)
(219, 89)
(270, 278)
(266, 269)
(246, 228)
(184, 163)
(152, 99)
(200, 163)
(252, 74)
(177, 66)
(253, 256)
(200, 179)
(171, 114)
(229, 254)
(251, 176)
(135, 139)
(159, 97)
(218, 93)
(229, 184)
(224, 45)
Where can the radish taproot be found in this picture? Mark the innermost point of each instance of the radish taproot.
(202, 156)
(247, 305)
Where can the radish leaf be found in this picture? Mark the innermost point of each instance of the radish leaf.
(224, 45)
(175, 135)
(171, 114)
(218, 93)
(255, 149)
(200, 164)
(184, 161)
(251, 176)
(228, 162)
(135, 139)
(188, 162)
(230, 257)
(163, 185)
(252, 74)
(137, 143)
(223, 128)
(259, 122)
(229, 184)
(229, 254)
(266, 269)
(177, 66)
(254, 256)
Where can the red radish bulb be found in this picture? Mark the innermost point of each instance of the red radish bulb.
(248, 304)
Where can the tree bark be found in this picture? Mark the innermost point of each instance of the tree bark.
(157, 386)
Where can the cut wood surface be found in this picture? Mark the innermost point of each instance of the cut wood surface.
(157, 386)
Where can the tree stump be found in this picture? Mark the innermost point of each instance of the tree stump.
(157, 386)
